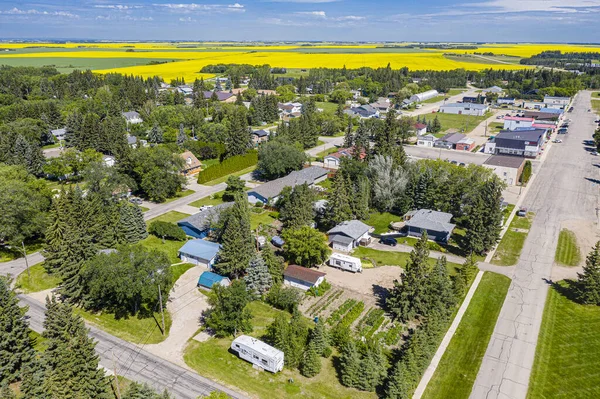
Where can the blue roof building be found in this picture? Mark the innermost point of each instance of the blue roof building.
(199, 252)
(208, 279)
(198, 225)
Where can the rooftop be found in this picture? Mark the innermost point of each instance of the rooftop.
(521, 135)
(202, 220)
(261, 133)
(208, 279)
(345, 152)
(453, 137)
(190, 160)
(273, 188)
(201, 249)
(518, 118)
(352, 228)
(506, 161)
(303, 273)
(221, 95)
(131, 115)
(463, 105)
(431, 220)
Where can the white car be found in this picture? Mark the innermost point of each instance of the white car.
(557, 141)
(205, 207)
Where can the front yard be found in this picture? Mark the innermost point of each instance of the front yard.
(38, 280)
(509, 249)
(390, 258)
(170, 217)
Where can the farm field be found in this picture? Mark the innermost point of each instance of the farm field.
(186, 59)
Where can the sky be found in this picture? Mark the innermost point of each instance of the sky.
(572, 21)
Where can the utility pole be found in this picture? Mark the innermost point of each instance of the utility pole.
(162, 311)
(116, 378)
(26, 261)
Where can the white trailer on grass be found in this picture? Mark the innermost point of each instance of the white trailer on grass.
(258, 353)
(345, 262)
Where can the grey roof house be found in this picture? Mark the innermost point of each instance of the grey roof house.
(269, 192)
(449, 141)
(198, 224)
(59, 134)
(132, 117)
(364, 112)
(348, 235)
(436, 224)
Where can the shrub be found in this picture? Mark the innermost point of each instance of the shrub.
(320, 290)
(228, 166)
(284, 298)
(167, 231)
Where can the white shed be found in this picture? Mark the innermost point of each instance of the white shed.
(258, 353)
(426, 95)
(345, 262)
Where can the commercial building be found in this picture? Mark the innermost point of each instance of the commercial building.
(556, 102)
(464, 109)
(523, 143)
(514, 122)
(507, 168)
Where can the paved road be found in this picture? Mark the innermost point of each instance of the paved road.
(329, 143)
(566, 188)
(17, 266)
(137, 364)
(201, 192)
(450, 155)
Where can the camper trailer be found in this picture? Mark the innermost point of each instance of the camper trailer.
(345, 262)
(258, 353)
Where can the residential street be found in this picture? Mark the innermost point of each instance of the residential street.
(201, 192)
(566, 189)
(18, 266)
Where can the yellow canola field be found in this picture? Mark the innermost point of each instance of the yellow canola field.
(527, 50)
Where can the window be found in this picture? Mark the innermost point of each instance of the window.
(237, 346)
(264, 361)
(337, 262)
(255, 357)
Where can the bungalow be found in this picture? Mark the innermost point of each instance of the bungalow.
(302, 277)
(427, 140)
(420, 128)
(290, 108)
(269, 192)
(464, 109)
(514, 122)
(382, 104)
(222, 96)
(363, 112)
(465, 144)
(436, 224)
(259, 136)
(132, 117)
(199, 224)
(191, 164)
(507, 168)
(199, 252)
(59, 134)
(334, 160)
(348, 235)
(449, 141)
(209, 279)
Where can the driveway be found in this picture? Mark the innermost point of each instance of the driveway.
(368, 283)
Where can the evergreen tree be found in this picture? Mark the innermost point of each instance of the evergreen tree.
(274, 264)
(136, 390)
(6, 392)
(441, 297)
(15, 344)
(155, 135)
(235, 185)
(181, 136)
(349, 138)
(296, 208)
(374, 366)
(589, 280)
(32, 386)
(237, 247)
(238, 137)
(408, 298)
(258, 279)
(399, 384)
(311, 362)
(73, 129)
(436, 126)
(338, 207)
(132, 227)
(361, 139)
(350, 367)
(298, 335)
(319, 338)
(278, 334)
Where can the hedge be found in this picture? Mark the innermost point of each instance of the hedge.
(228, 166)
(166, 230)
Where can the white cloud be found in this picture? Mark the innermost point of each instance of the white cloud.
(142, 19)
(207, 8)
(304, 1)
(561, 6)
(318, 14)
(350, 18)
(17, 11)
(119, 7)
(188, 19)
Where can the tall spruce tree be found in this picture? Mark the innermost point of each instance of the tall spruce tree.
(349, 137)
(311, 362)
(399, 384)
(155, 135)
(374, 366)
(319, 338)
(15, 345)
(238, 137)
(258, 279)
(6, 392)
(274, 263)
(350, 367)
(297, 210)
(589, 280)
(441, 296)
(181, 136)
(132, 227)
(338, 207)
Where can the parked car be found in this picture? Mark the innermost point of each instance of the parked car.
(522, 212)
(205, 207)
(462, 164)
(135, 200)
(594, 152)
(388, 241)
(557, 141)
(562, 130)
(454, 162)
(570, 109)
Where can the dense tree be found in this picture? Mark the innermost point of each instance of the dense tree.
(277, 158)
(132, 227)
(258, 279)
(527, 170)
(136, 390)
(155, 135)
(238, 135)
(350, 365)
(166, 230)
(589, 280)
(156, 172)
(305, 246)
(387, 182)
(229, 314)
(311, 362)
(339, 206)
(319, 338)
(235, 185)
(290, 337)
(398, 385)
(374, 366)
(274, 263)
(441, 296)
(296, 206)
(386, 140)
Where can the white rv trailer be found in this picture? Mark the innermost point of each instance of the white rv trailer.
(345, 262)
(258, 353)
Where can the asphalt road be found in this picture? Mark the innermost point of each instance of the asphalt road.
(135, 363)
(18, 266)
(201, 192)
(566, 188)
(449, 155)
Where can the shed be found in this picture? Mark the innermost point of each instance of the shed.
(200, 252)
(208, 279)
(302, 277)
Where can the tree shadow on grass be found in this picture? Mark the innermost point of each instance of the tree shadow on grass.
(567, 288)
(380, 293)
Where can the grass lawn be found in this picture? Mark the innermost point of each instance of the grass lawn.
(171, 217)
(459, 366)
(39, 342)
(567, 251)
(265, 218)
(326, 106)
(214, 199)
(170, 247)
(509, 249)
(495, 127)
(434, 100)
(381, 221)
(50, 146)
(180, 195)
(178, 270)
(461, 123)
(144, 209)
(8, 254)
(214, 360)
(392, 258)
(454, 92)
(39, 280)
(224, 178)
(326, 152)
(567, 364)
(132, 329)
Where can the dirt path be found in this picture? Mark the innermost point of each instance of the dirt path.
(186, 305)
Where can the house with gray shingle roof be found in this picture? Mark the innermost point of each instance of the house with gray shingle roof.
(132, 117)
(269, 192)
(348, 235)
(198, 224)
(436, 224)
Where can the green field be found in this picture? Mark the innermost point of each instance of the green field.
(264, 218)
(392, 258)
(381, 221)
(434, 100)
(454, 92)
(38, 280)
(509, 249)
(67, 64)
(327, 106)
(567, 251)
(567, 364)
(214, 360)
(171, 217)
(461, 123)
(459, 365)
(224, 178)
(169, 247)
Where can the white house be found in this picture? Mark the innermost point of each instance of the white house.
(427, 140)
(132, 117)
(334, 160)
(493, 89)
(514, 122)
(59, 134)
(258, 353)
(108, 160)
(348, 235)
(185, 90)
(508, 168)
(345, 262)
(420, 128)
(464, 109)
(426, 95)
(302, 277)
(533, 104)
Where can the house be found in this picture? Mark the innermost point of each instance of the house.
(465, 144)
(345, 262)
(334, 160)
(132, 117)
(259, 136)
(449, 141)
(356, 94)
(264, 92)
(464, 109)
(222, 96)
(209, 279)
(199, 224)
(524, 143)
(363, 112)
(514, 122)
(556, 102)
(258, 353)
(185, 90)
(302, 277)
(507, 168)
(269, 192)
(199, 252)
(132, 141)
(191, 164)
(493, 89)
(541, 116)
(420, 128)
(382, 104)
(436, 224)
(505, 100)
(108, 160)
(533, 104)
(348, 235)
(427, 140)
(59, 134)
(290, 108)
(426, 95)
